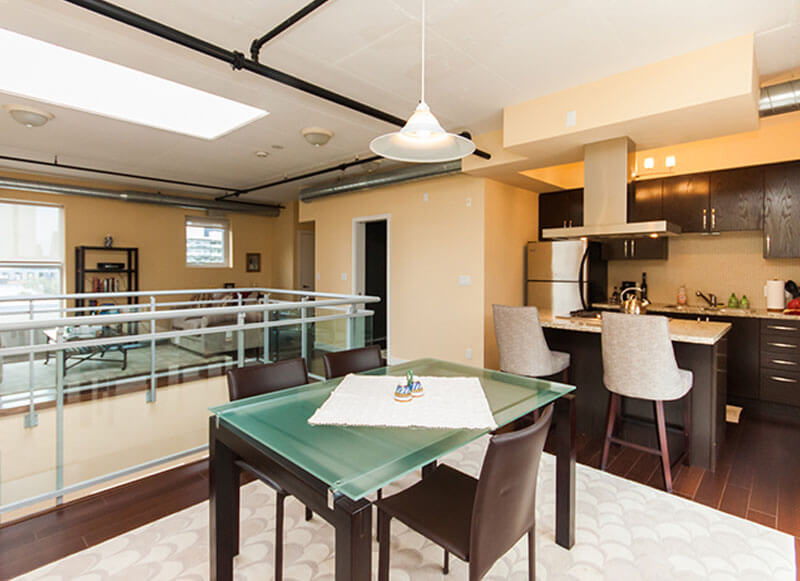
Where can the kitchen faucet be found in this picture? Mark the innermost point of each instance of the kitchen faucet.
(711, 299)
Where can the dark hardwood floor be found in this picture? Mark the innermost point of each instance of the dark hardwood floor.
(758, 479)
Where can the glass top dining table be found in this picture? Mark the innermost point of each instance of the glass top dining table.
(355, 461)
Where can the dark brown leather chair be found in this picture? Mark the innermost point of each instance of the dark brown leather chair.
(257, 380)
(341, 363)
(477, 520)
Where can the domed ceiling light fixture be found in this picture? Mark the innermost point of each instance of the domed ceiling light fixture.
(317, 136)
(28, 116)
(422, 139)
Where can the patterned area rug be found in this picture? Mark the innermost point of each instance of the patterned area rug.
(625, 531)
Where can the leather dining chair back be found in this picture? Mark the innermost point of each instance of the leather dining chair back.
(258, 379)
(341, 363)
(505, 500)
(477, 520)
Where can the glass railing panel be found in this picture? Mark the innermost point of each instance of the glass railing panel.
(130, 399)
(27, 437)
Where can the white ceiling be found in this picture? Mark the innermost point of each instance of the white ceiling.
(482, 56)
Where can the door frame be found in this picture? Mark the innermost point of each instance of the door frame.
(299, 259)
(357, 273)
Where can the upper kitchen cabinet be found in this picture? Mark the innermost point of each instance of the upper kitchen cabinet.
(636, 249)
(736, 200)
(685, 202)
(561, 209)
(644, 201)
(782, 211)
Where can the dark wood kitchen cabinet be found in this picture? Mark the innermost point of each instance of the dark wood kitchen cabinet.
(644, 201)
(736, 199)
(782, 210)
(561, 209)
(684, 202)
(635, 249)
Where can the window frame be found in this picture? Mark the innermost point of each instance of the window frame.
(227, 240)
(61, 262)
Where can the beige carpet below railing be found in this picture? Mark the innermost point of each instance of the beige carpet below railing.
(625, 531)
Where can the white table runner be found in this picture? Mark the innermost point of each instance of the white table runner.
(368, 400)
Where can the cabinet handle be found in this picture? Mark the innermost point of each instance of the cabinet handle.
(705, 218)
(783, 362)
(713, 218)
(782, 379)
(768, 245)
(781, 328)
(784, 345)
(625, 244)
(633, 247)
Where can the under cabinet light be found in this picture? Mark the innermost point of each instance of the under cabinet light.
(45, 72)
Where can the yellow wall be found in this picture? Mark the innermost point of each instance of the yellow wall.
(511, 220)
(158, 232)
(431, 244)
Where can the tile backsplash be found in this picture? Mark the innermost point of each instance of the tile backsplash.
(730, 262)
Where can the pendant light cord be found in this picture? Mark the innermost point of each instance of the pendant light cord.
(422, 97)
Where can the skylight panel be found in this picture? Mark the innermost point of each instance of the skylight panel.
(45, 72)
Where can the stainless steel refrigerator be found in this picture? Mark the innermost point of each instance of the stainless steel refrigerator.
(565, 276)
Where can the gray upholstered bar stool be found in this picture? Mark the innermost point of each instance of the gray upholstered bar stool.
(639, 362)
(522, 346)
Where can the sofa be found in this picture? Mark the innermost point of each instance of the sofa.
(225, 342)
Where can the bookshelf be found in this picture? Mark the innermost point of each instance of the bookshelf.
(111, 280)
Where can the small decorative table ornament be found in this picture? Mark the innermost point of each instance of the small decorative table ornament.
(410, 389)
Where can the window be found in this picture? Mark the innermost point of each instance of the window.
(207, 242)
(31, 254)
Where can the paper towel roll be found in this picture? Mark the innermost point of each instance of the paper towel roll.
(773, 290)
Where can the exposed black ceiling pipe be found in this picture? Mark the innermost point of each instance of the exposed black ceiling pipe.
(341, 167)
(236, 59)
(255, 47)
(57, 164)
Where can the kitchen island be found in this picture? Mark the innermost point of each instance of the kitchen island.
(700, 347)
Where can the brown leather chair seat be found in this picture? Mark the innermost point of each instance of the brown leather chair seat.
(441, 505)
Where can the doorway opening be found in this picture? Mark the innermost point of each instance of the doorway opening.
(306, 271)
(371, 271)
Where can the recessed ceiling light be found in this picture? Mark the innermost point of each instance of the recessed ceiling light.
(262, 153)
(52, 74)
(28, 116)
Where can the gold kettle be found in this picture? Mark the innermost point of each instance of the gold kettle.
(633, 305)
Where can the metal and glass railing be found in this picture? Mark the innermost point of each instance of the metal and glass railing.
(95, 393)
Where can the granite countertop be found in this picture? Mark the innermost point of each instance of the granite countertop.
(721, 311)
(680, 330)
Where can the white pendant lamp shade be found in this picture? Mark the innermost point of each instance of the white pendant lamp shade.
(422, 139)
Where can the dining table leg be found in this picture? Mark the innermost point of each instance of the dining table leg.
(354, 541)
(223, 494)
(564, 419)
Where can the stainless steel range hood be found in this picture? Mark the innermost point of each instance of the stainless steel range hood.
(608, 168)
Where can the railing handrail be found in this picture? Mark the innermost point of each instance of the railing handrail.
(195, 312)
(157, 293)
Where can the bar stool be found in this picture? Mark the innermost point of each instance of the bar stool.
(522, 346)
(639, 362)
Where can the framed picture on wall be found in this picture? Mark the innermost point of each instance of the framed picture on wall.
(253, 262)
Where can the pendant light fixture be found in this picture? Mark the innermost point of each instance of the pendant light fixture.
(422, 139)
